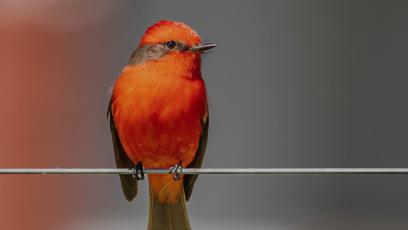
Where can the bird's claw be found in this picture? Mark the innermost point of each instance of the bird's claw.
(176, 171)
(138, 172)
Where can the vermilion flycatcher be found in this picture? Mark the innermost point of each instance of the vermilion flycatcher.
(159, 118)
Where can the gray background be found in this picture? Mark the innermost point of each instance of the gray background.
(291, 84)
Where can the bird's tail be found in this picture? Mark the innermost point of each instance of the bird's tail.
(167, 205)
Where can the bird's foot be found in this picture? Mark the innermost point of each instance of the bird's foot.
(176, 171)
(138, 172)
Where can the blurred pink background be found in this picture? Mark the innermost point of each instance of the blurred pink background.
(49, 84)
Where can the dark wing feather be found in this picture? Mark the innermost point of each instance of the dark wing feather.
(189, 180)
(129, 184)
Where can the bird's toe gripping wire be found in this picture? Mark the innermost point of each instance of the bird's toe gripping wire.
(138, 172)
(176, 171)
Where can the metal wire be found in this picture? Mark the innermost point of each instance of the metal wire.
(269, 171)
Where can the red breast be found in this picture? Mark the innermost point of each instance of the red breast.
(159, 102)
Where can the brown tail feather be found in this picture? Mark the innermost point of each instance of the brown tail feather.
(168, 216)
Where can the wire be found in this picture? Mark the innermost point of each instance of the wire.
(269, 171)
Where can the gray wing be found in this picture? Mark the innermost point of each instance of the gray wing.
(129, 184)
(189, 180)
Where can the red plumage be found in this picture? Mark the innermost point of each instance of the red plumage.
(159, 108)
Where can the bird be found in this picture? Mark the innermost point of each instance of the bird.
(159, 118)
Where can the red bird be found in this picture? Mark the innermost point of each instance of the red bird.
(159, 118)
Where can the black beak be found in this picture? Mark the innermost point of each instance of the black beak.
(203, 47)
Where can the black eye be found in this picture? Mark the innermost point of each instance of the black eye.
(171, 44)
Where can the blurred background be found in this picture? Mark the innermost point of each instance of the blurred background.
(291, 84)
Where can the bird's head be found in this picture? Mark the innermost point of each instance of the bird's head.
(169, 39)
